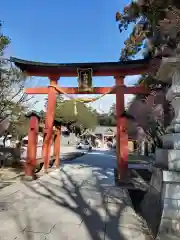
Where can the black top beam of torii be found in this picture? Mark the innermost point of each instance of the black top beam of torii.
(121, 68)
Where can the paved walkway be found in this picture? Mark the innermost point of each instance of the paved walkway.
(79, 201)
(9, 175)
(64, 150)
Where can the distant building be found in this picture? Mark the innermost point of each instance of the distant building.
(105, 132)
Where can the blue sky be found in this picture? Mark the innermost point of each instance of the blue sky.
(65, 31)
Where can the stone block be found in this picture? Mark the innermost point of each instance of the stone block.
(169, 230)
(171, 141)
(174, 127)
(169, 206)
(156, 179)
(171, 176)
(168, 159)
(171, 191)
(171, 209)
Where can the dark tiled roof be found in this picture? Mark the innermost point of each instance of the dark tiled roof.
(71, 68)
(104, 129)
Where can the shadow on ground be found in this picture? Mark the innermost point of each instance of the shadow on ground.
(90, 199)
(81, 201)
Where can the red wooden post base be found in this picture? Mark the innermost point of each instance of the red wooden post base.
(57, 146)
(32, 145)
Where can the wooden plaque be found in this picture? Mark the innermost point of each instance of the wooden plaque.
(85, 79)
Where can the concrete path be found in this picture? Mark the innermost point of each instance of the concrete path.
(79, 201)
(64, 150)
(10, 175)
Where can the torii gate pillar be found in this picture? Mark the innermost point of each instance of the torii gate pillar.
(57, 146)
(49, 121)
(30, 164)
(121, 135)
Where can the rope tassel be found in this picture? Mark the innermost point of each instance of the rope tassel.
(83, 100)
(75, 108)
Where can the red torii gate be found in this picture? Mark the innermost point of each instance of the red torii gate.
(54, 71)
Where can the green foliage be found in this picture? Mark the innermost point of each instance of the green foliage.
(19, 127)
(58, 114)
(151, 19)
(74, 116)
(4, 41)
(68, 111)
(107, 120)
(13, 101)
(156, 31)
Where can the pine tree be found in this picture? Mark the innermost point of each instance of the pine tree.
(13, 101)
(156, 33)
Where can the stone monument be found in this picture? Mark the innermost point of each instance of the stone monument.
(163, 196)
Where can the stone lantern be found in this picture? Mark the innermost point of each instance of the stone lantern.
(164, 192)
